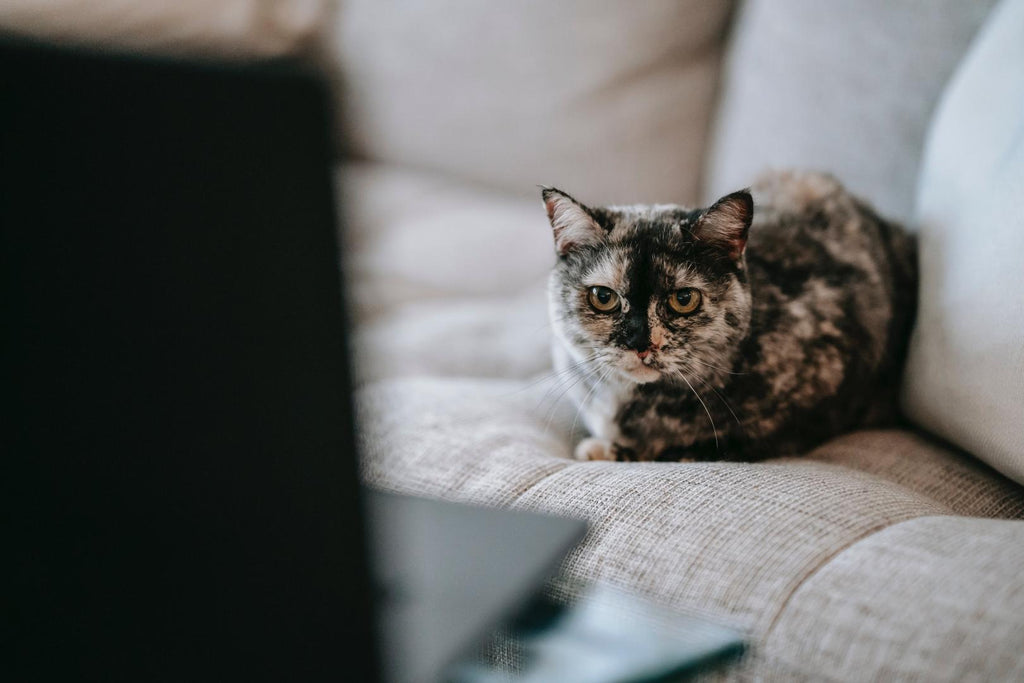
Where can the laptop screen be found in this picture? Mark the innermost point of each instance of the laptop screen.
(182, 497)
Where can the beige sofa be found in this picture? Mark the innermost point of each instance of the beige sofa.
(882, 555)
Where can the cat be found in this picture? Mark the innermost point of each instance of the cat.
(730, 332)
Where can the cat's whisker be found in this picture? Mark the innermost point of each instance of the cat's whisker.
(554, 404)
(552, 375)
(714, 367)
(559, 380)
(722, 399)
(582, 378)
(544, 327)
(578, 364)
(583, 403)
(566, 376)
(555, 374)
(714, 430)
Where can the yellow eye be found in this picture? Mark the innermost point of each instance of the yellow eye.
(685, 301)
(603, 299)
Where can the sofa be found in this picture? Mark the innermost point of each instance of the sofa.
(881, 555)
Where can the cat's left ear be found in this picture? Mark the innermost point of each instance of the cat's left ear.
(572, 222)
(727, 223)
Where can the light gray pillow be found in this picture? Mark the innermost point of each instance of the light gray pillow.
(965, 375)
(846, 87)
(607, 99)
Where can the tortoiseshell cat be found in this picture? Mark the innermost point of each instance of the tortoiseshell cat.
(683, 339)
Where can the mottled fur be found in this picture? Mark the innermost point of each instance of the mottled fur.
(799, 336)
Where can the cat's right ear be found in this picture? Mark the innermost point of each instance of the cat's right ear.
(573, 224)
(727, 223)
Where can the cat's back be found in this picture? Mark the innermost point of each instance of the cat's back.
(810, 222)
(832, 283)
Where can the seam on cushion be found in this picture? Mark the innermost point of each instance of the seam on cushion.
(539, 480)
(828, 560)
(995, 509)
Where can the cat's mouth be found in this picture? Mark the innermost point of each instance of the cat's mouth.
(641, 369)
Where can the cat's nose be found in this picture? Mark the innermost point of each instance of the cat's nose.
(639, 339)
(643, 354)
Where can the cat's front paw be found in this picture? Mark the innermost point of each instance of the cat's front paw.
(594, 449)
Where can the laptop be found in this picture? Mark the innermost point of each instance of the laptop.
(181, 499)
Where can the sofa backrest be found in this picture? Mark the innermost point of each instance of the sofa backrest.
(610, 100)
(965, 373)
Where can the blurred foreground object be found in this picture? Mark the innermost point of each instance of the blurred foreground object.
(181, 496)
(609, 636)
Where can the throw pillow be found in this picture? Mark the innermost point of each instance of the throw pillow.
(844, 87)
(965, 375)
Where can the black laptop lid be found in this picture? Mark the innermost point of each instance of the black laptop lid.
(180, 482)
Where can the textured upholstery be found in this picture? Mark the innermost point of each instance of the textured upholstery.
(446, 278)
(965, 375)
(606, 98)
(843, 87)
(932, 598)
(743, 543)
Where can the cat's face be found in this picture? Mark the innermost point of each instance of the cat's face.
(651, 293)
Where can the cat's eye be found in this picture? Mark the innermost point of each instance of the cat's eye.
(603, 299)
(684, 301)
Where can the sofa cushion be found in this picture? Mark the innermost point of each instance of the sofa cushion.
(411, 236)
(191, 28)
(844, 87)
(733, 541)
(924, 465)
(932, 598)
(607, 99)
(490, 336)
(445, 278)
(965, 374)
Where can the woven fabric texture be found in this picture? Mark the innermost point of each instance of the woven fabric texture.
(933, 598)
(733, 541)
